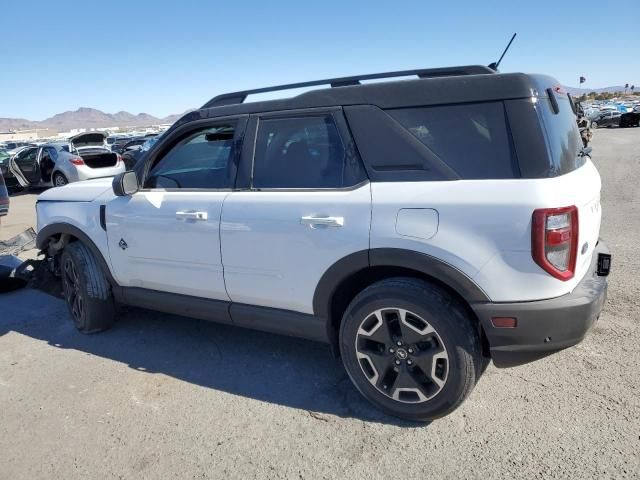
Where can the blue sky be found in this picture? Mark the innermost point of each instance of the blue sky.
(163, 57)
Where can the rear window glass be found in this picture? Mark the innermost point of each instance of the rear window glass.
(472, 139)
(563, 136)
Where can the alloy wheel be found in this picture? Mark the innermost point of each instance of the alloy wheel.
(402, 355)
(72, 292)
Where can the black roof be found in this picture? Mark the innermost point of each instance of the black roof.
(473, 83)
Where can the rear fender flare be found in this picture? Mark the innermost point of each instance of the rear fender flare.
(428, 265)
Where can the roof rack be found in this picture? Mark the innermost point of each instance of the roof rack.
(240, 97)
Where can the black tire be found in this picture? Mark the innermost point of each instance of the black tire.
(87, 291)
(425, 306)
(59, 180)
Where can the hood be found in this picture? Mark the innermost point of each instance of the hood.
(85, 191)
(88, 139)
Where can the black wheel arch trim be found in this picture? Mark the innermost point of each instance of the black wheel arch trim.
(393, 257)
(59, 228)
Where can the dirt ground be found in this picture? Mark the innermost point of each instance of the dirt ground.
(160, 396)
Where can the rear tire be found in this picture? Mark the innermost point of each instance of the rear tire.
(411, 348)
(59, 180)
(87, 291)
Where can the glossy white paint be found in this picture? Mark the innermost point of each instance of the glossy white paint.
(274, 252)
(275, 259)
(485, 227)
(79, 192)
(166, 251)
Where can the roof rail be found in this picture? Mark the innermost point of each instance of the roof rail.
(240, 97)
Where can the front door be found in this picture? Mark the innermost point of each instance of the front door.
(166, 236)
(307, 205)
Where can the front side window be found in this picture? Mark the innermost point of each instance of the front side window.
(302, 152)
(203, 159)
(472, 139)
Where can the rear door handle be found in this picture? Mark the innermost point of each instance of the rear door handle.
(192, 216)
(325, 221)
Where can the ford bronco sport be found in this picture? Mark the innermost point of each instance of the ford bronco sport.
(420, 227)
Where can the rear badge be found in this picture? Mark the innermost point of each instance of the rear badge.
(122, 244)
(585, 247)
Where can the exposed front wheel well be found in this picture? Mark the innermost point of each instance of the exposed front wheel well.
(348, 288)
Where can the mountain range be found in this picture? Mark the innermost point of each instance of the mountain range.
(580, 91)
(86, 118)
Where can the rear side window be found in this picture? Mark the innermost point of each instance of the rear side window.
(563, 136)
(302, 152)
(472, 139)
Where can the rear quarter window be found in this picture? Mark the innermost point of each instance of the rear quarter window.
(562, 135)
(472, 139)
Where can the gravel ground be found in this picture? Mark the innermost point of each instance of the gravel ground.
(160, 396)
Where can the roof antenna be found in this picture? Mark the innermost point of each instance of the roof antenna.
(495, 65)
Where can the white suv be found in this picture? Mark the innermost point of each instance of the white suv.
(420, 227)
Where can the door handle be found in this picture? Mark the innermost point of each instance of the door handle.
(325, 221)
(192, 216)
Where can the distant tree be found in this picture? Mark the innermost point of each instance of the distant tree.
(626, 86)
(592, 94)
(632, 88)
(583, 97)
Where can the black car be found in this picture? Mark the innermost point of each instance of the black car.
(606, 119)
(132, 154)
(631, 119)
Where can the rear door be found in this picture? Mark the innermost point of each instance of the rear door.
(306, 205)
(25, 166)
(166, 237)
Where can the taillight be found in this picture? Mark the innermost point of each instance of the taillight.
(554, 240)
(118, 157)
(77, 161)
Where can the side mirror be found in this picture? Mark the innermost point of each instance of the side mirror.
(125, 184)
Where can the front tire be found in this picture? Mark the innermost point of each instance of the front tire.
(594, 125)
(410, 348)
(59, 180)
(87, 291)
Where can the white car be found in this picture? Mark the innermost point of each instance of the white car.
(83, 157)
(420, 227)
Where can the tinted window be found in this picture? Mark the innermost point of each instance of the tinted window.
(472, 139)
(52, 152)
(302, 152)
(563, 136)
(203, 159)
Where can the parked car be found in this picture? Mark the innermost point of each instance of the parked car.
(118, 145)
(4, 198)
(608, 118)
(11, 183)
(85, 156)
(356, 216)
(13, 147)
(131, 155)
(630, 120)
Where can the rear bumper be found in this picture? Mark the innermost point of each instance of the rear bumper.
(545, 326)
